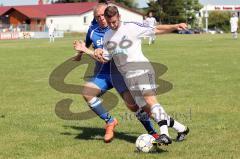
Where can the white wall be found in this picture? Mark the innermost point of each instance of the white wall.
(127, 15)
(72, 22)
(76, 22)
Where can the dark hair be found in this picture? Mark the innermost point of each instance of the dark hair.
(149, 13)
(111, 11)
(103, 1)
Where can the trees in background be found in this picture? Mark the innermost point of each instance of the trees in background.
(219, 20)
(175, 11)
(129, 3)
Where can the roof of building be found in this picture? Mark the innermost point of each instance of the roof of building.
(4, 10)
(58, 9)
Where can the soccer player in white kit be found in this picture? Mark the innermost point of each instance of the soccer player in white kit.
(234, 25)
(123, 42)
(151, 21)
(51, 31)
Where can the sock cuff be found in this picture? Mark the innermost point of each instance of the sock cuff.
(142, 115)
(95, 101)
(155, 106)
(162, 123)
(171, 122)
(139, 111)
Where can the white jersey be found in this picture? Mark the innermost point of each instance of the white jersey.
(145, 22)
(125, 45)
(234, 24)
(151, 21)
(51, 28)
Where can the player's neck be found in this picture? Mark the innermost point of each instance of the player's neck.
(119, 25)
(103, 27)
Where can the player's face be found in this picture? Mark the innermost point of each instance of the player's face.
(99, 16)
(150, 14)
(113, 22)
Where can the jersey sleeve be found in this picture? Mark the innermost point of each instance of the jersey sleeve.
(88, 40)
(142, 30)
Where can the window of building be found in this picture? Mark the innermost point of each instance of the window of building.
(85, 19)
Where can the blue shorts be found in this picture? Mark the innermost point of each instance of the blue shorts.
(106, 82)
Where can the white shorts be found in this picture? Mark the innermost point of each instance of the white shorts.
(51, 34)
(234, 29)
(140, 83)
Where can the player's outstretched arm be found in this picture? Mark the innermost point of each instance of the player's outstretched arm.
(81, 48)
(163, 29)
(79, 53)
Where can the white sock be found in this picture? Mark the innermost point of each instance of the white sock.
(235, 35)
(175, 125)
(160, 116)
(164, 130)
(178, 126)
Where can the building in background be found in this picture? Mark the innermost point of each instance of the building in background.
(74, 17)
(229, 8)
(203, 14)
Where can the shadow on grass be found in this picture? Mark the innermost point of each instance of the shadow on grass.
(89, 133)
(157, 151)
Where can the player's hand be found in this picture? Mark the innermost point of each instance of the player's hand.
(79, 46)
(98, 53)
(181, 26)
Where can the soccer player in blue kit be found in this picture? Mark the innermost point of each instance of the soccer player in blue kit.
(104, 79)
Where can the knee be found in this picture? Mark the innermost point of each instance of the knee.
(89, 92)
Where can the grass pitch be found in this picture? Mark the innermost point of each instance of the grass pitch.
(204, 71)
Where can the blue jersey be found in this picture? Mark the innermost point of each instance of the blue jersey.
(95, 36)
(93, 26)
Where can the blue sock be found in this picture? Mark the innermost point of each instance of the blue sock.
(96, 105)
(144, 119)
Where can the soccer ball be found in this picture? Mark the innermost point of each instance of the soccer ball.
(144, 143)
